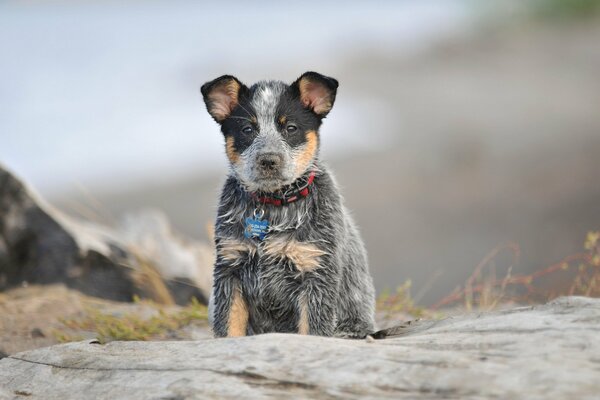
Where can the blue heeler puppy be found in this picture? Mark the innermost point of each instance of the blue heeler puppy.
(289, 256)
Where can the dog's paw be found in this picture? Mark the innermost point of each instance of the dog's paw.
(350, 335)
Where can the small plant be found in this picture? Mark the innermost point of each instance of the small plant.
(400, 302)
(587, 279)
(108, 327)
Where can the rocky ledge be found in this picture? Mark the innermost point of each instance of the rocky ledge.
(546, 351)
(141, 256)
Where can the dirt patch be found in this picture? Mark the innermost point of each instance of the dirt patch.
(34, 316)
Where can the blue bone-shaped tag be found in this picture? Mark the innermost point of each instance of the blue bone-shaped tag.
(256, 228)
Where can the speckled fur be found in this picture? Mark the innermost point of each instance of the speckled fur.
(330, 293)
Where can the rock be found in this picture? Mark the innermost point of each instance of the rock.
(37, 333)
(185, 264)
(39, 244)
(548, 351)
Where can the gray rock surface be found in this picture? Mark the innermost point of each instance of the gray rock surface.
(540, 352)
(39, 244)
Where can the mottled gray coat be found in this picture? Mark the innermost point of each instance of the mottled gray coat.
(309, 275)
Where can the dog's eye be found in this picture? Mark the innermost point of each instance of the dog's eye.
(248, 130)
(291, 128)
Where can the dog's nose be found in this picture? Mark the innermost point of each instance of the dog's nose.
(269, 161)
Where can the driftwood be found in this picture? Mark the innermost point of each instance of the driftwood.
(543, 352)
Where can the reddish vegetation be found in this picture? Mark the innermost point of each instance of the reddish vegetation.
(577, 274)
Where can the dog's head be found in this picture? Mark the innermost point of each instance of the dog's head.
(271, 129)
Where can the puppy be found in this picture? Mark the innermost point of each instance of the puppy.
(289, 256)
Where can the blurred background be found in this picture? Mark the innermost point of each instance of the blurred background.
(458, 126)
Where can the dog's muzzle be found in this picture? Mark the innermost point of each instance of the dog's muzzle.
(269, 164)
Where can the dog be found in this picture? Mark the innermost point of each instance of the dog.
(289, 257)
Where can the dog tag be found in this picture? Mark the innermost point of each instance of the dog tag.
(255, 226)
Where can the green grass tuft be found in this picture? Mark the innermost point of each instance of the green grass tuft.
(109, 327)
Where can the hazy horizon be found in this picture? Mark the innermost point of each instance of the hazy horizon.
(106, 95)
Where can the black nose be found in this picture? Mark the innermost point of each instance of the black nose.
(269, 161)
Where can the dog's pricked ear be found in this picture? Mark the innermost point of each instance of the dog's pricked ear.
(316, 92)
(222, 96)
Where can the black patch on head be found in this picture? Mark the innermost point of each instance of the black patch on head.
(297, 115)
(289, 106)
(242, 117)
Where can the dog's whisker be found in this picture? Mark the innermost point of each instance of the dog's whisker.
(242, 118)
(245, 109)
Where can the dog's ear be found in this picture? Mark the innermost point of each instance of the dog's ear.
(222, 96)
(316, 92)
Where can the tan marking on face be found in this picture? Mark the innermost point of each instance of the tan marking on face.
(315, 96)
(282, 120)
(253, 120)
(233, 250)
(305, 256)
(237, 322)
(303, 326)
(308, 153)
(232, 154)
(224, 99)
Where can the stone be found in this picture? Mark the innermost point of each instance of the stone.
(143, 256)
(545, 351)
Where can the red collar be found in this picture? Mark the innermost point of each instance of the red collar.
(300, 191)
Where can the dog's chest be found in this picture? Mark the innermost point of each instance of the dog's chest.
(272, 268)
(271, 286)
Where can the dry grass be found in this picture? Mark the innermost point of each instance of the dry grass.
(400, 302)
(147, 278)
(576, 275)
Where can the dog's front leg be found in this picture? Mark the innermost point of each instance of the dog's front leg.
(316, 306)
(230, 312)
(229, 309)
